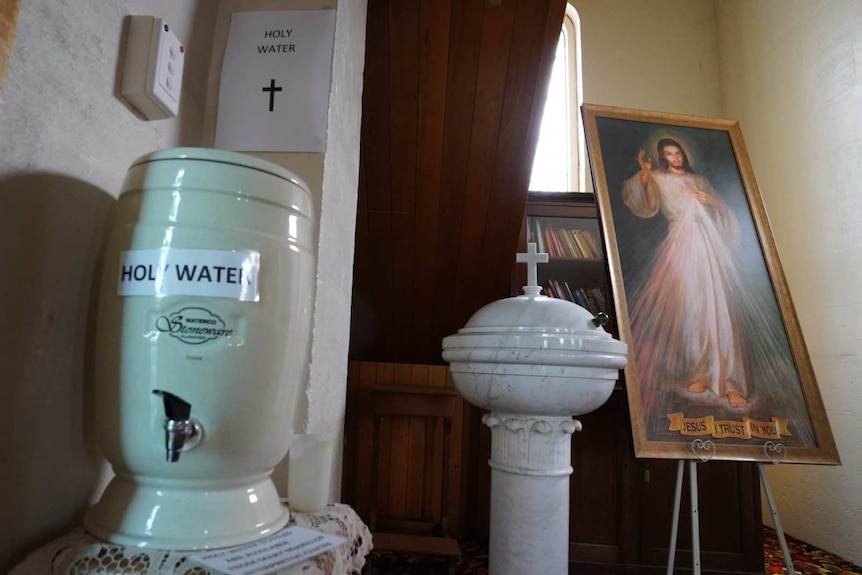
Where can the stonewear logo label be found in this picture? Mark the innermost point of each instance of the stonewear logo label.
(193, 325)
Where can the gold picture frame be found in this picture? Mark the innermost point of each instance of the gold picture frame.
(8, 18)
(718, 367)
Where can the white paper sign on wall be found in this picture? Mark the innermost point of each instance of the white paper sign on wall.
(275, 79)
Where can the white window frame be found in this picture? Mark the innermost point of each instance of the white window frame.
(577, 155)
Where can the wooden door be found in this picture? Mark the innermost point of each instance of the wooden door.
(403, 479)
(731, 531)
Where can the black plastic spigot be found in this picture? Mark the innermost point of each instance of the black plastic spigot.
(175, 406)
(181, 431)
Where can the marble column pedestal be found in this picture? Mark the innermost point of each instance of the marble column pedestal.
(530, 469)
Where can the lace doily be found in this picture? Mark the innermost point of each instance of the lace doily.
(79, 553)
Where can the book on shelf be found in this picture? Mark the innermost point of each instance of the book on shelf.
(537, 237)
(554, 248)
(588, 243)
(592, 242)
(591, 299)
(582, 301)
(563, 243)
(570, 249)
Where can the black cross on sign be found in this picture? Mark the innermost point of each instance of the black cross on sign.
(272, 90)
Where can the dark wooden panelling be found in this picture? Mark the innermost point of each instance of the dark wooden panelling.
(409, 446)
(434, 23)
(453, 93)
(372, 256)
(403, 113)
(495, 37)
(595, 485)
(465, 19)
(728, 508)
(525, 94)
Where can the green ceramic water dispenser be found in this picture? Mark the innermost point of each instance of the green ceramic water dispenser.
(202, 345)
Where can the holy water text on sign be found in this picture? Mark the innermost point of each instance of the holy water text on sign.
(213, 273)
(275, 81)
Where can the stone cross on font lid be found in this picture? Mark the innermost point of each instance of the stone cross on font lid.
(531, 258)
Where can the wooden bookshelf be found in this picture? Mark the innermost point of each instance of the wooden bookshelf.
(565, 227)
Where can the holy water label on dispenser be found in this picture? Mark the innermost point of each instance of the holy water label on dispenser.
(285, 548)
(168, 271)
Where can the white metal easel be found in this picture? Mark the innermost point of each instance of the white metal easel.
(704, 450)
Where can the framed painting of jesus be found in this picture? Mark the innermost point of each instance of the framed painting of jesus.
(718, 367)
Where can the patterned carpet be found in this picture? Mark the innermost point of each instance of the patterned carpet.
(807, 560)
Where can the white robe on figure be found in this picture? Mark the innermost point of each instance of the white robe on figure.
(685, 321)
(695, 316)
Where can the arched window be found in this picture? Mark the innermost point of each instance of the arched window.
(559, 162)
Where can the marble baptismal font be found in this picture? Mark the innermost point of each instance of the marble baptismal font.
(534, 362)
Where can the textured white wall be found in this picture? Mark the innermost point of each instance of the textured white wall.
(791, 73)
(334, 181)
(65, 143)
(659, 55)
(331, 334)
